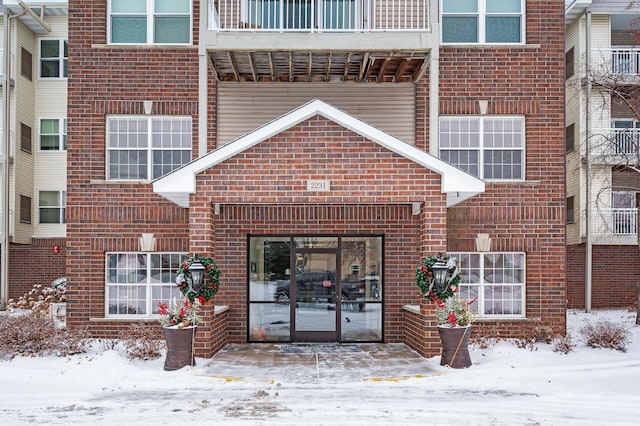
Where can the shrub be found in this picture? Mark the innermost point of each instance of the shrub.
(563, 344)
(539, 334)
(143, 342)
(31, 334)
(605, 334)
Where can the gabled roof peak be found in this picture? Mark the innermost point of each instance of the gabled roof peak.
(177, 185)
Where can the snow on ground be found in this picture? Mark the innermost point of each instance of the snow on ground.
(505, 386)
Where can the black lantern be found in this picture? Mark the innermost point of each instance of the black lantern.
(440, 271)
(197, 274)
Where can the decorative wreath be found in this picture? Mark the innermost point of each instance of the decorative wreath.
(424, 278)
(209, 286)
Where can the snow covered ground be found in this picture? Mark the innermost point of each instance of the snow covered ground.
(505, 386)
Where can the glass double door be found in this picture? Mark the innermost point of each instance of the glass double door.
(315, 289)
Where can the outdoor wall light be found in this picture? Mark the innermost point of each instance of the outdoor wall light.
(197, 274)
(440, 271)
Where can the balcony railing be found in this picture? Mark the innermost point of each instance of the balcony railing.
(616, 61)
(615, 221)
(614, 141)
(319, 15)
(625, 61)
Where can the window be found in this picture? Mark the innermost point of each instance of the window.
(144, 148)
(25, 138)
(496, 279)
(26, 63)
(52, 206)
(490, 148)
(53, 134)
(136, 282)
(570, 209)
(569, 61)
(25, 209)
(482, 21)
(569, 137)
(54, 60)
(150, 21)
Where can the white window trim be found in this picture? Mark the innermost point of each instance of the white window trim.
(149, 147)
(61, 59)
(149, 286)
(482, 149)
(61, 134)
(61, 207)
(150, 14)
(481, 25)
(480, 300)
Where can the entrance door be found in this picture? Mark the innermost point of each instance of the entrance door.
(316, 291)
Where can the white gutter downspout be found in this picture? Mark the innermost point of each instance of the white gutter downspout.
(587, 222)
(6, 141)
(203, 83)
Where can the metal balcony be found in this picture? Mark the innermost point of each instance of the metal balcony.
(319, 15)
(319, 40)
(615, 222)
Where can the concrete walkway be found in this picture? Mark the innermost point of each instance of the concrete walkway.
(319, 363)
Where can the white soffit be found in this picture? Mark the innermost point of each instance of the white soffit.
(180, 183)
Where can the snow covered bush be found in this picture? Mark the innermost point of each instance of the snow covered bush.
(606, 334)
(143, 342)
(563, 344)
(31, 334)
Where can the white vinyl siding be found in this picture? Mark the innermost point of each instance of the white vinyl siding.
(242, 108)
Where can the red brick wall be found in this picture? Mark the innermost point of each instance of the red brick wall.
(106, 216)
(35, 264)
(529, 216)
(367, 184)
(366, 179)
(610, 288)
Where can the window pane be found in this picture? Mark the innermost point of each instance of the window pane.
(459, 29)
(49, 198)
(49, 68)
(459, 6)
(172, 6)
(502, 29)
(503, 6)
(128, 6)
(49, 215)
(128, 30)
(269, 322)
(171, 30)
(49, 126)
(50, 48)
(49, 143)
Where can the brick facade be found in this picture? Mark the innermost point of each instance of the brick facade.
(36, 263)
(610, 288)
(263, 189)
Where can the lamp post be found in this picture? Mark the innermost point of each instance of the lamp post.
(197, 274)
(440, 271)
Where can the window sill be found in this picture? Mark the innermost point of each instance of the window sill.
(490, 46)
(218, 309)
(119, 182)
(144, 46)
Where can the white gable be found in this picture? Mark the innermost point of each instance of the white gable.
(177, 185)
